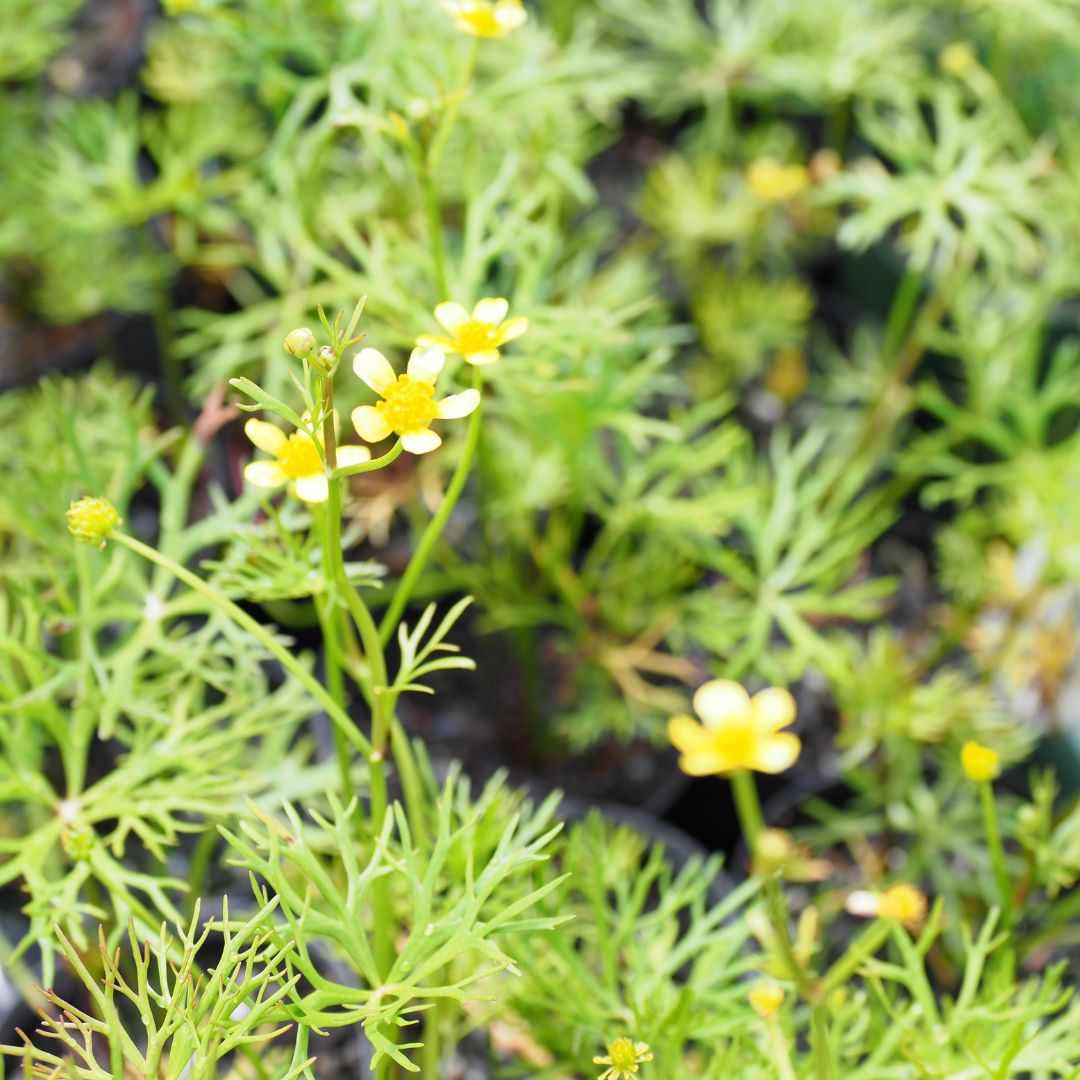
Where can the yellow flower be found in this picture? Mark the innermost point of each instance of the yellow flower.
(623, 1056)
(901, 903)
(737, 731)
(981, 764)
(957, 58)
(788, 376)
(486, 18)
(766, 999)
(773, 181)
(296, 461)
(408, 403)
(91, 520)
(477, 336)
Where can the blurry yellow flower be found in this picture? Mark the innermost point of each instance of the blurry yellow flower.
(296, 461)
(737, 731)
(623, 1056)
(788, 376)
(957, 59)
(900, 903)
(91, 520)
(477, 336)
(486, 18)
(408, 403)
(766, 999)
(773, 181)
(980, 763)
(825, 164)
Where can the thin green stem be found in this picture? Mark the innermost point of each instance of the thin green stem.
(748, 807)
(435, 527)
(819, 1041)
(860, 950)
(997, 852)
(375, 464)
(435, 229)
(257, 631)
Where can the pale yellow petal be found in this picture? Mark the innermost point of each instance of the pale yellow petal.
(312, 489)
(775, 753)
(266, 436)
(370, 424)
(773, 708)
(512, 329)
(425, 364)
(371, 366)
(432, 341)
(510, 16)
(491, 310)
(456, 406)
(264, 474)
(686, 734)
(484, 356)
(451, 317)
(720, 699)
(421, 442)
(353, 455)
(705, 763)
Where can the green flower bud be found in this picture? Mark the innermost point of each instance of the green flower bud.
(325, 360)
(91, 520)
(300, 343)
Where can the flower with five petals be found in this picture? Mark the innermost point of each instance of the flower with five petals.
(296, 461)
(486, 18)
(477, 336)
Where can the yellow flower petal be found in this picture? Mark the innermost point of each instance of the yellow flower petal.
(707, 762)
(491, 310)
(775, 753)
(312, 489)
(686, 734)
(432, 341)
(264, 474)
(456, 406)
(370, 424)
(482, 357)
(373, 368)
(451, 317)
(512, 329)
(425, 364)
(720, 699)
(353, 455)
(774, 708)
(266, 436)
(421, 442)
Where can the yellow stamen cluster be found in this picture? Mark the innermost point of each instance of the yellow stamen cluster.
(298, 456)
(766, 999)
(980, 763)
(901, 903)
(623, 1058)
(773, 181)
(408, 405)
(91, 520)
(486, 18)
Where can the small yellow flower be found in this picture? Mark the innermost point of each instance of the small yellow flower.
(296, 461)
(91, 520)
(981, 764)
(766, 999)
(900, 903)
(408, 403)
(478, 336)
(788, 375)
(773, 181)
(736, 731)
(486, 18)
(623, 1057)
(957, 59)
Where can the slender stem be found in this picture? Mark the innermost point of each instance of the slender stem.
(819, 1041)
(748, 807)
(899, 317)
(780, 1054)
(335, 684)
(369, 466)
(435, 229)
(860, 950)
(434, 529)
(257, 631)
(997, 852)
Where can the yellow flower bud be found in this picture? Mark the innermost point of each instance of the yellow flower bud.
(91, 520)
(300, 342)
(766, 999)
(981, 764)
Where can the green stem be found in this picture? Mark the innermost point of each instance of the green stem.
(369, 466)
(434, 529)
(748, 807)
(899, 317)
(435, 230)
(257, 631)
(863, 947)
(819, 1041)
(997, 852)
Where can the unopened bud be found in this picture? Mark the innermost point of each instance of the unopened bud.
(325, 360)
(91, 520)
(300, 343)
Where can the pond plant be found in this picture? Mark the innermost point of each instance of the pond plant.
(676, 404)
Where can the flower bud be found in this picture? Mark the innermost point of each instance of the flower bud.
(766, 999)
(91, 520)
(980, 763)
(300, 343)
(325, 361)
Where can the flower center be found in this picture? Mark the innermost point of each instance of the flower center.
(408, 405)
(298, 456)
(481, 21)
(736, 740)
(476, 336)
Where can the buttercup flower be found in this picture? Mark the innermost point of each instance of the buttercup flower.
(624, 1056)
(736, 731)
(478, 336)
(901, 903)
(408, 403)
(90, 520)
(766, 999)
(486, 18)
(773, 181)
(980, 763)
(296, 461)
